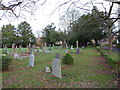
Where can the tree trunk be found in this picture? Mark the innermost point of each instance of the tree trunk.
(110, 39)
(96, 42)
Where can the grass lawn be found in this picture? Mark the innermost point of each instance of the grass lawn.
(88, 71)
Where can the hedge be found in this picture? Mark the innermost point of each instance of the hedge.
(109, 60)
(6, 61)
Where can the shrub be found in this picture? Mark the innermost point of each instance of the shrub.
(6, 61)
(68, 59)
(118, 45)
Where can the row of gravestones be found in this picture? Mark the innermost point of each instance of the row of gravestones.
(56, 65)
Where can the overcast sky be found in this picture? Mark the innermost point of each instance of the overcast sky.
(43, 15)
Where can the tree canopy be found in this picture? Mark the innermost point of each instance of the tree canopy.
(22, 35)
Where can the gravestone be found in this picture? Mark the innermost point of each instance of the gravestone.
(16, 55)
(67, 51)
(53, 45)
(66, 45)
(77, 49)
(58, 55)
(71, 47)
(56, 68)
(47, 69)
(31, 60)
(35, 50)
(83, 47)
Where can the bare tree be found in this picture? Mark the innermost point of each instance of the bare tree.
(111, 17)
(69, 18)
(18, 8)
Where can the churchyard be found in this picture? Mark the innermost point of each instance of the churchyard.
(89, 70)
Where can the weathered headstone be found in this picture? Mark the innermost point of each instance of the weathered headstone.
(77, 51)
(16, 55)
(53, 45)
(47, 69)
(66, 45)
(56, 68)
(31, 60)
(58, 55)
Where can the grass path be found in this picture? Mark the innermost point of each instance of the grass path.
(89, 71)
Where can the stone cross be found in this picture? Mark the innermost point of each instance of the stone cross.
(56, 68)
(77, 44)
(31, 60)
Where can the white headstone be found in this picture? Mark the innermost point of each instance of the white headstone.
(31, 60)
(56, 68)
(66, 45)
(71, 47)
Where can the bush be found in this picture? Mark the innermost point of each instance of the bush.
(6, 61)
(110, 60)
(118, 45)
(68, 59)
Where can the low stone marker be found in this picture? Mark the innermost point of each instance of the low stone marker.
(47, 69)
(67, 51)
(31, 60)
(83, 47)
(56, 68)
(77, 51)
(71, 47)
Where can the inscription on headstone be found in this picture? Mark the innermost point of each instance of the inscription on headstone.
(56, 68)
